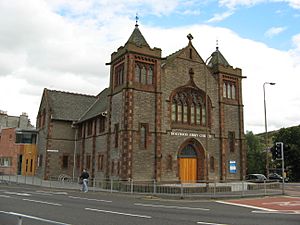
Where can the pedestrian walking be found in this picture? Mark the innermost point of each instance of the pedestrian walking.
(84, 178)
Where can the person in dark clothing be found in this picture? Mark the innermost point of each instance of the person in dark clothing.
(84, 177)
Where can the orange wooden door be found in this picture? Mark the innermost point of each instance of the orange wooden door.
(188, 170)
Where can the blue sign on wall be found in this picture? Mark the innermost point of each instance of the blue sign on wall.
(232, 166)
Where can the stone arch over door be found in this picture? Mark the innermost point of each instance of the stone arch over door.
(191, 161)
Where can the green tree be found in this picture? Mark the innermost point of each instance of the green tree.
(255, 154)
(291, 140)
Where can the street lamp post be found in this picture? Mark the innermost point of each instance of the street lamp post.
(266, 127)
(206, 117)
(75, 150)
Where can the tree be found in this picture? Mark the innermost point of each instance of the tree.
(255, 154)
(291, 140)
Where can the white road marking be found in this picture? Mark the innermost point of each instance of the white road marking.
(291, 203)
(170, 207)
(211, 223)
(42, 202)
(119, 213)
(289, 212)
(60, 193)
(16, 193)
(34, 217)
(53, 192)
(41, 193)
(90, 199)
(4, 196)
(247, 206)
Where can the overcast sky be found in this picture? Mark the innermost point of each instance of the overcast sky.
(64, 45)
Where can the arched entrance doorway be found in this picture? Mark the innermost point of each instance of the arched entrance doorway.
(191, 160)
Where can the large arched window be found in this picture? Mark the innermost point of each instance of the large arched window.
(188, 107)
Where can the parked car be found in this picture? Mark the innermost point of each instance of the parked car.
(256, 178)
(277, 177)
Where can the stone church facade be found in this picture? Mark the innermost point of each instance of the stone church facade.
(177, 118)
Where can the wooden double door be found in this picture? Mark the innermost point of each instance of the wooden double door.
(188, 170)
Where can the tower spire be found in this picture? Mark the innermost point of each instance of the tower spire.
(136, 20)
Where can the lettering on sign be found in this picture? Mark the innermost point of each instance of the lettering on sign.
(52, 150)
(186, 134)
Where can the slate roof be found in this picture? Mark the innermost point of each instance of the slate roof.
(217, 59)
(137, 38)
(68, 106)
(7, 121)
(172, 56)
(99, 106)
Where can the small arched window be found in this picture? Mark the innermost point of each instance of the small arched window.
(228, 91)
(212, 164)
(224, 90)
(185, 112)
(174, 110)
(203, 121)
(150, 75)
(137, 73)
(198, 114)
(143, 75)
(233, 91)
(143, 136)
(193, 118)
(179, 112)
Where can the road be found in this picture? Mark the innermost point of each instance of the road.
(73, 207)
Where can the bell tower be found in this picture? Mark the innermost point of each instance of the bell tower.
(231, 110)
(134, 111)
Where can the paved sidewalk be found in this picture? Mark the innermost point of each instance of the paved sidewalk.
(30, 180)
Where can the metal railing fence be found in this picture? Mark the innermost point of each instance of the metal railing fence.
(207, 189)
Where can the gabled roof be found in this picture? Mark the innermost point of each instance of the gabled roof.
(68, 106)
(99, 106)
(137, 38)
(180, 53)
(173, 56)
(217, 59)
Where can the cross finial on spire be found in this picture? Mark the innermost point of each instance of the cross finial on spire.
(190, 37)
(136, 20)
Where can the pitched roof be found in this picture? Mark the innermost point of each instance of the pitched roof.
(169, 58)
(7, 121)
(99, 106)
(137, 38)
(181, 51)
(218, 59)
(68, 106)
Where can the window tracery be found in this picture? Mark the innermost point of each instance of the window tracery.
(119, 75)
(144, 73)
(188, 107)
(229, 90)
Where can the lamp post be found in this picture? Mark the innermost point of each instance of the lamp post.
(206, 117)
(266, 127)
(75, 150)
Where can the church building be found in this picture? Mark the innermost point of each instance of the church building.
(177, 118)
